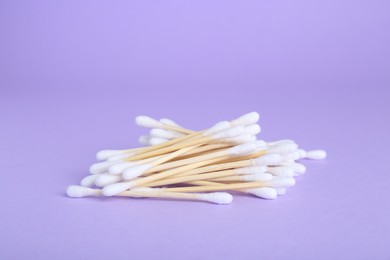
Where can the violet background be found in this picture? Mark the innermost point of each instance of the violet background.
(74, 74)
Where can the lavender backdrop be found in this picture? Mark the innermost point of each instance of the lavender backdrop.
(74, 74)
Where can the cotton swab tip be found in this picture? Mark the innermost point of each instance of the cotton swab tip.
(297, 167)
(146, 121)
(247, 119)
(106, 179)
(253, 129)
(119, 167)
(316, 154)
(264, 193)
(135, 171)
(157, 140)
(75, 191)
(100, 167)
(168, 121)
(281, 171)
(221, 198)
(283, 148)
(268, 159)
(258, 177)
(116, 188)
(242, 149)
(229, 133)
(282, 182)
(89, 180)
(251, 170)
(105, 154)
(161, 133)
(218, 127)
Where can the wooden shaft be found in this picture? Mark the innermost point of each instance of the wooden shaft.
(229, 178)
(243, 161)
(203, 149)
(204, 183)
(165, 174)
(233, 186)
(172, 155)
(177, 129)
(195, 141)
(168, 143)
(195, 177)
(218, 167)
(157, 194)
(182, 162)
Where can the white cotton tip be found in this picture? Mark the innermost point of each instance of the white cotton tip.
(101, 167)
(283, 148)
(144, 140)
(120, 167)
(79, 191)
(104, 154)
(119, 157)
(146, 121)
(89, 181)
(257, 177)
(135, 171)
(268, 159)
(281, 171)
(290, 157)
(281, 141)
(253, 129)
(251, 170)
(161, 133)
(221, 198)
(116, 188)
(316, 154)
(242, 149)
(247, 119)
(241, 139)
(297, 167)
(218, 127)
(281, 191)
(229, 133)
(106, 179)
(302, 153)
(264, 193)
(281, 182)
(167, 121)
(261, 145)
(157, 140)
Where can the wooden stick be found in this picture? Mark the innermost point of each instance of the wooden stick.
(177, 129)
(172, 155)
(195, 159)
(165, 174)
(233, 186)
(160, 194)
(204, 183)
(203, 150)
(180, 145)
(243, 161)
(189, 178)
(236, 178)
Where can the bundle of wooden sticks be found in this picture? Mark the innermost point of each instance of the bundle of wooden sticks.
(179, 163)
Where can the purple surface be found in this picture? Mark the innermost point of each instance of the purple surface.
(74, 74)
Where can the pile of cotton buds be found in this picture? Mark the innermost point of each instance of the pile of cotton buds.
(179, 163)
